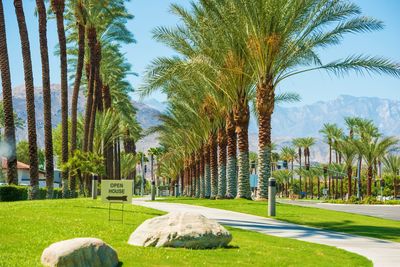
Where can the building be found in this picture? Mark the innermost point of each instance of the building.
(23, 174)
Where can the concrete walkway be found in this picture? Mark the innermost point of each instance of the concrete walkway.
(391, 212)
(381, 252)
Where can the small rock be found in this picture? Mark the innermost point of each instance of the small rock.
(180, 229)
(80, 252)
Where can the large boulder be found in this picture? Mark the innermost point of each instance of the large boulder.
(80, 252)
(180, 229)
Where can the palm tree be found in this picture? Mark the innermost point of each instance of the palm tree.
(307, 143)
(48, 138)
(298, 142)
(58, 7)
(349, 153)
(9, 126)
(371, 151)
(30, 100)
(331, 133)
(80, 24)
(289, 154)
(328, 131)
(392, 167)
(283, 40)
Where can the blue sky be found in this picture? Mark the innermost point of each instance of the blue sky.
(151, 13)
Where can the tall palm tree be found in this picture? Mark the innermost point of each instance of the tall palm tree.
(9, 126)
(80, 24)
(58, 7)
(283, 40)
(392, 166)
(349, 153)
(48, 137)
(30, 100)
(371, 151)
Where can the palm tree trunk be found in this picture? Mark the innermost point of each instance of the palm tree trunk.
(222, 143)
(300, 169)
(265, 108)
(197, 174)
(369, 180)
(75, 95)
(92, 39)
(97, 96)
(242, 117)
(9, 126)
(202, 173)
(193, 174)
(231, 177)
(30, 100)
(291, 177)
(48, 137)
(58, 8)
(77, 83)
(349, 173)
(214, 165)
(207, 171)
(186, 177)
(341, 187)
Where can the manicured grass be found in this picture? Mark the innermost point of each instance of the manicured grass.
(27, 227)
(321, 218)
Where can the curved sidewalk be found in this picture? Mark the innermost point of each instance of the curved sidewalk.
(381, 252)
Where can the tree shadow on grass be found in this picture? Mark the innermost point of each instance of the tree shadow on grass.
(119, 209)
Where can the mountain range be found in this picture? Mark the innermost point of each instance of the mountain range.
(287, 122)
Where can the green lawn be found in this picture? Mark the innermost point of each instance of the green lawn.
(27, 227)
(326, 219)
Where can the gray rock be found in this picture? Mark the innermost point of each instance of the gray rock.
(180, 229)
(80, 252)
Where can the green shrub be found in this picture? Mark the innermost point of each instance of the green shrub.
(13, 193)
(371, 200)
(18, 192)
(353, 200)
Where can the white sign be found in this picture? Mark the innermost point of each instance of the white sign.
(117, 191)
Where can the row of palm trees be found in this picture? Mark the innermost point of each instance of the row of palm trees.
(362, 147)
(90, 36)
(233, 54)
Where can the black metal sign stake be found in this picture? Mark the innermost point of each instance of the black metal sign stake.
(122, 213)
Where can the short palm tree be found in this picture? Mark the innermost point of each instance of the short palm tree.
(371, 151)
(349, 154)
(289, 154)
(392, 167)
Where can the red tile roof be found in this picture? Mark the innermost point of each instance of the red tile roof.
(20, 165)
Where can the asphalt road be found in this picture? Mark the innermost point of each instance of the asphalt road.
(391, 212)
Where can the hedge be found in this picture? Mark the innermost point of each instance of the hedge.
(18, 192)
